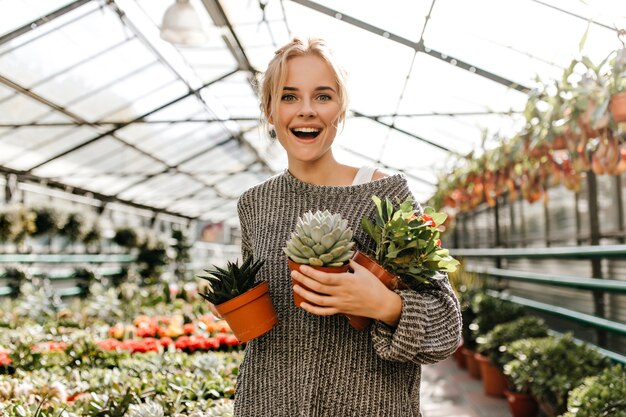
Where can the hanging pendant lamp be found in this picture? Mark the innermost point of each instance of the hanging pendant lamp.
(181, 25)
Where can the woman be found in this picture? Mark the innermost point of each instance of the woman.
(313, 363)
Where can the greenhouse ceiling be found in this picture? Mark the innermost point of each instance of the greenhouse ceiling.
(93, 101)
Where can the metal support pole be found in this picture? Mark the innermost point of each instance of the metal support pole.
(620, 207)
(596, 262)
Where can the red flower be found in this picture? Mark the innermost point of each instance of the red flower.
(5, 359)
(427, 220)
(166, 341)
(438, 243)
(189, 328)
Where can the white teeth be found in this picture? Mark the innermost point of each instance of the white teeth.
(306, 129)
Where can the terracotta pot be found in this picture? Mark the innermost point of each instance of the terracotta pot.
(472, 363)
(250, 314)
(390, 280)
(459, 358)
(617, 107)
(494, 381)
(293, 266)
(521, 405)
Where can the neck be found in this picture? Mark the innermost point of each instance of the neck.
(324, 171)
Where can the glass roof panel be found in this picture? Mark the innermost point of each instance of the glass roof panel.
(73, 161)
(436, 86)
(465, 31)
(407, 24)
(121, 101)
(153, 99)
(63, 48)
(237, 96)
(5, 92)
(33, 151)
(230, 156)
(100, 72)
(17, 13)
(20, 109)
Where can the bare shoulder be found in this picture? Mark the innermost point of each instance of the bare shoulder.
(378, 175)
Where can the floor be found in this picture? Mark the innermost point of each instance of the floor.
(449, 391)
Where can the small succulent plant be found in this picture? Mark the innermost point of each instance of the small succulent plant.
(320, 239)
(228, 283)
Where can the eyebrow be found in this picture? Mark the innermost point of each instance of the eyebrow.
(320, 88)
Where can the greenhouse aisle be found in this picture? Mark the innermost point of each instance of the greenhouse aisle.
(448, 391)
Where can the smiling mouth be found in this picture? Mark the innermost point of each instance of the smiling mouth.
(306, 133)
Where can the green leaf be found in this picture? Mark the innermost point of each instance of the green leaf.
(370, 228)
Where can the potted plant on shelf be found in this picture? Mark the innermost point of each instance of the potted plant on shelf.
(548, 368)
(600, 395)
(324, 242)
(246, 306)
(492, 350)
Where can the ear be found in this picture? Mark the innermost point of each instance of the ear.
(270, 119)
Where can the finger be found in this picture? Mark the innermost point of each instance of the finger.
(356, 267)
(328, 278)
(319, 311)
(309, 282)
(313, 297)
(215, 312)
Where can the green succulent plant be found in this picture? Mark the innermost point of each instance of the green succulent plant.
(228, 283)
(320, 239)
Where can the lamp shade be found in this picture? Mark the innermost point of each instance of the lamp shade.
(181, 25)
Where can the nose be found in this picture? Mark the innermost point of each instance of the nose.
(306, 110)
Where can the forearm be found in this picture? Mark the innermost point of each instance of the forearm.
(389, 310)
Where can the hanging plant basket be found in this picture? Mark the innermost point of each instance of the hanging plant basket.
(617, 107)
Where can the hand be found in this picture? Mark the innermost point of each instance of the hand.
(214, 310)
(360, 293)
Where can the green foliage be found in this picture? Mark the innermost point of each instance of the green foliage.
(491, 311)
(408, 243)
(93, 235)
(549, 367)
(495, 344)
(74, 226)
(152, 258)
(16, 224)
(320, 239)
(47, 221)
(126, 237)
(603, 395)
(228, 283)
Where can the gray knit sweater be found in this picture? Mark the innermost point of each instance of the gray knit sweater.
(319, 366)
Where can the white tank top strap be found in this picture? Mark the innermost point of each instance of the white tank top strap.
(364, 175)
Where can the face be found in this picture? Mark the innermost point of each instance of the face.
(308, 110)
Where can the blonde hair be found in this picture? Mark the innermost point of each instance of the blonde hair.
(274, 78)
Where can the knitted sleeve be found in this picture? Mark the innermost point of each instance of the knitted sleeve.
(246, 244)
(429, 329)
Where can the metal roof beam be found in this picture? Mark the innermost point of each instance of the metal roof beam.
(255, 119)
(417, 46)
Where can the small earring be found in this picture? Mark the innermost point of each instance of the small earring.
(272, 133)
